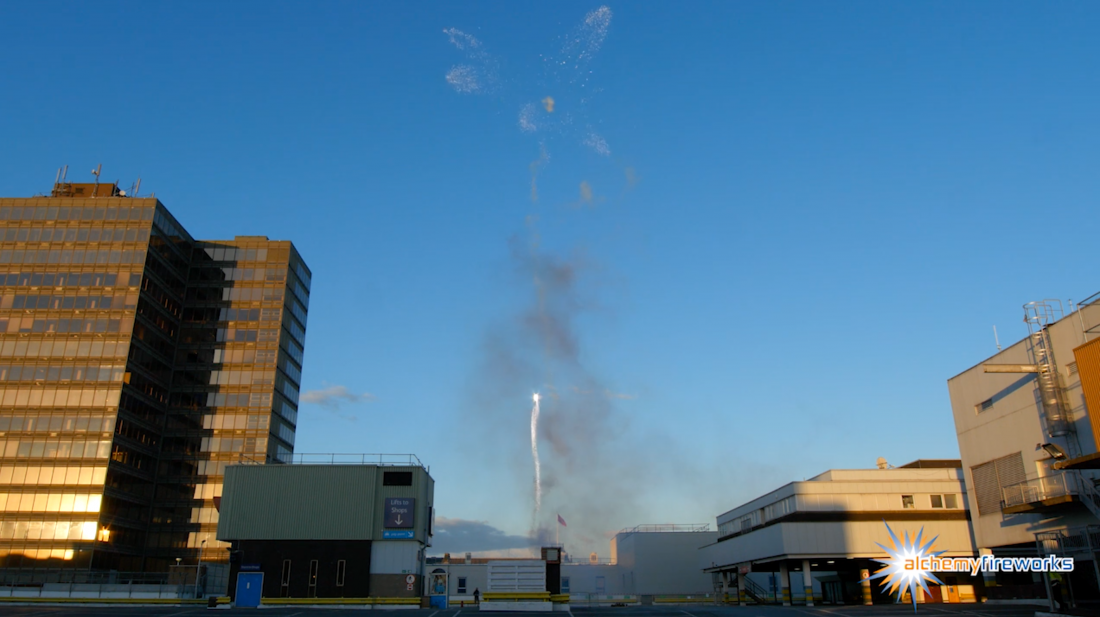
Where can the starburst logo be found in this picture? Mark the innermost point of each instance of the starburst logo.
(907, 567)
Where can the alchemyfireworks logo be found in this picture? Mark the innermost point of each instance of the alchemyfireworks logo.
(902, 571)
(912, 562)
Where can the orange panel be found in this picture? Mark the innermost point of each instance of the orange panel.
(1088, 369)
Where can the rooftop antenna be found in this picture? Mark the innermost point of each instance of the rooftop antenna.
(995, 339)
(96, 172)
(137, 187)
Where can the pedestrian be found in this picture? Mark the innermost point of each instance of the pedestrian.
(477, 596)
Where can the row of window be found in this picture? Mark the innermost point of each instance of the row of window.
(48, 530)
(286, 410)
(246, 314)
(292, 349)
(233, 253)
(46, 422)
(234, 444)
(289, 390)
(208, 491)
(75, 234)
(236, 421)
(296, 309)
(171, 229)
(68, 325)
(284, 432)
(302, 293)
(244, 356)
(34, 475)
(303, 274)
(57, 301)
(76, 213)
(60, 397)
(71, 279)
(242, 378)
(241, 399)
(213, 468)
(56, 448)
(252, 294)
(204, 515)
(297, 331)
(11, 347)
(65, 372)
(241, 335)
(72, 256)
(42, 501)
(271, 275)
(788, 505)
(292, 371)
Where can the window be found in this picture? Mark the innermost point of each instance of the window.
(462, 584)
(397, 478)
(312, 593)
(907, 502)
(340, 566)
(990, 478)
(565, 584)
(937, 501)
(285, 581)
(984, 405)
(951, 501)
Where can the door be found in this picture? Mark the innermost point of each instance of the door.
(952, 594)
(249, 588)
(934, 595)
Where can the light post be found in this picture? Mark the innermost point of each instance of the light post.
(198, 568)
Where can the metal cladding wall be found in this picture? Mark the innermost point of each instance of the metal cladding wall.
(1088, 368)
(316, 502)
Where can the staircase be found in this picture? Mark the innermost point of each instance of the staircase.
(757, 593)
(1088, 494)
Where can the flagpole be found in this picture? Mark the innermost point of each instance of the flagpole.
(557, 534)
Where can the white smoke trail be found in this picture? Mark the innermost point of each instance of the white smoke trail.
(535, 456)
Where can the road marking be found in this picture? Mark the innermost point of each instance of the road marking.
(687, 613)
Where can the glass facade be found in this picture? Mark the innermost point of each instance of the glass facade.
(135, 364)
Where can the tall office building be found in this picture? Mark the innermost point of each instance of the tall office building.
(135, 363)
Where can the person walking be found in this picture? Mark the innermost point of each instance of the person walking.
(477, 596)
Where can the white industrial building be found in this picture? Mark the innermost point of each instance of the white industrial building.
(812, 542)
(1028, 443)
(648, 560)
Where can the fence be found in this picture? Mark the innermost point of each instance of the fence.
(73, 583)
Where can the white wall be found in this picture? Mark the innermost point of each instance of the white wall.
(1014, 424)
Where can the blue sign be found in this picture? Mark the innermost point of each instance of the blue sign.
(399, 512)
(390, 534)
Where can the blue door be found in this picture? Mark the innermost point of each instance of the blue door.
(249, 586)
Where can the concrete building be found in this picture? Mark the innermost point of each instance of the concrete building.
(1028, 424)
(647, 560)
(327, 530)
(135, 363)
(813, 541)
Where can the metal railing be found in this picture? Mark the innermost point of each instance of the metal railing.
(1038, 489)
(694, 527)
(387, 460)
(1069, 541)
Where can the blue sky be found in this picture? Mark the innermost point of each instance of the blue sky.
(831, 206)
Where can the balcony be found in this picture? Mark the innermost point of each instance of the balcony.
(1038, 494)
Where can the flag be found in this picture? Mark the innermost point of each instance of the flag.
(561, 521)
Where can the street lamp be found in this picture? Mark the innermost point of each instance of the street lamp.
(198, 568)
